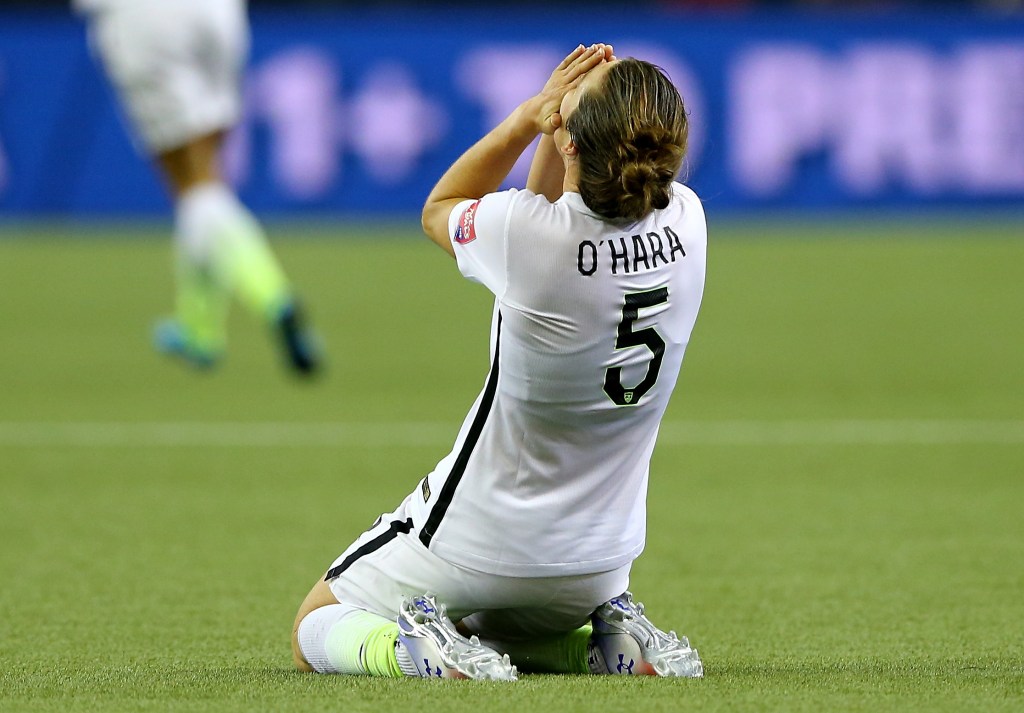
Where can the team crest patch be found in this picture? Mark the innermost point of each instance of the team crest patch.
(465, 231)
(425, 490)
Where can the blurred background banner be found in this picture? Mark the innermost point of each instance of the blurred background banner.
(359, 111)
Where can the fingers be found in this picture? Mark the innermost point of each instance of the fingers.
(583, 61)
(602, 50)
(606, 49)
(567, 75)
(571, 57)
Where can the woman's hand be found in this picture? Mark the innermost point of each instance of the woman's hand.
(545, 106)
(482, 168)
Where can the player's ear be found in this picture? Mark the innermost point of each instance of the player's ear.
(569, 147)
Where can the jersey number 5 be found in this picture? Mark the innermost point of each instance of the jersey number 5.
(627, 338)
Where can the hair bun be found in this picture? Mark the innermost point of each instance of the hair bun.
(635, 177)
(631, 136)
(644, 175)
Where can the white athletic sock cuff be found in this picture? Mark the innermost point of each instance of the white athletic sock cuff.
(314, 630)
(201, 214)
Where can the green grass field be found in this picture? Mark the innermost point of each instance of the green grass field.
(836, 506)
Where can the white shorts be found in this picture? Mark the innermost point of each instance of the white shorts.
(387, 563)
(176, 65)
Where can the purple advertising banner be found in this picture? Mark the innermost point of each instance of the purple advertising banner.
(358, 113)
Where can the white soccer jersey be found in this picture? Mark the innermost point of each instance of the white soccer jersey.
(548, 475)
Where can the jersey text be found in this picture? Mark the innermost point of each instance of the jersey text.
(635, 253)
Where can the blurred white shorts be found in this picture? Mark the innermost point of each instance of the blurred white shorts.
(388, 562)
(176, 65)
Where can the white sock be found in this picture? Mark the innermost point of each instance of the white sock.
(214, 229)
(200, 216)
(331, 638)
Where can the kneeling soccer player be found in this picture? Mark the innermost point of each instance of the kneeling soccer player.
(516, 550)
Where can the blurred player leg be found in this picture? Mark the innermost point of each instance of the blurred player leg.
(222, 250)
(178, 68)
(198, 330)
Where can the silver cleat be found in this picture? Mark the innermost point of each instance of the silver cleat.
(429, 646)
(632, 645)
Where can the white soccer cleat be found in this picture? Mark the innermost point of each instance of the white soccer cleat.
(429, 646)
(632, 645)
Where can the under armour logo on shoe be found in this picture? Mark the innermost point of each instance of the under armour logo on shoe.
(623, 665)
(435, 672)
(618, 603)
(424, 606)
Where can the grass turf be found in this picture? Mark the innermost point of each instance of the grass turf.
(835, 507)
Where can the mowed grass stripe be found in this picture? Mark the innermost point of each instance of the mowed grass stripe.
(419, 434)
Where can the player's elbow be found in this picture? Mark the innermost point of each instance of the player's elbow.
(425, 219)
(434, 221)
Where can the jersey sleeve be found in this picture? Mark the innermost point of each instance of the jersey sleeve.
(477, 229)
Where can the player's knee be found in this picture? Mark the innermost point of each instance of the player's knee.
(298, 658)
(301, 665)
(319, 596)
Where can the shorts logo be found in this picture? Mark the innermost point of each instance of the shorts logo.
(465, 231)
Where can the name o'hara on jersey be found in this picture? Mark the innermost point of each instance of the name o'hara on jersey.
(629, 254)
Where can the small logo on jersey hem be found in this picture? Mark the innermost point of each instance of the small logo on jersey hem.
(465, 231)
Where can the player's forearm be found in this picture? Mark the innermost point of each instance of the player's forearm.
(547, 171)
(480, 170)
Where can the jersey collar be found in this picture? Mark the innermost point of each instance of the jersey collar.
(575, 201)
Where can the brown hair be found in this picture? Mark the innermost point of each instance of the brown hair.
(631, 135)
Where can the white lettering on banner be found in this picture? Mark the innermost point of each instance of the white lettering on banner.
(778, 112)
(991, 89)
(500, 77)
(391, 123)
(296, 94)
(885, 115)
(888, 121)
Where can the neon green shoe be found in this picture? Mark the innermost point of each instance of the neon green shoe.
(170, 338)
